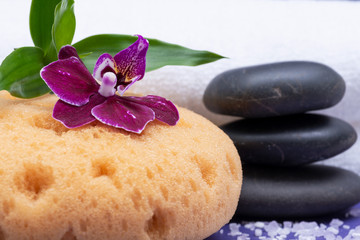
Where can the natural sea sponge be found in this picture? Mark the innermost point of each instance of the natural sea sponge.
(99, 182)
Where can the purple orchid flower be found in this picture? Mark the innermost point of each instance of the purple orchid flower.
(83, 99)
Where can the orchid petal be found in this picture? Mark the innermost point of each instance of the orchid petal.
(67, 52)
(121, 113)
(105, 63)
(165, 111)
(122, 89)
(70, 81)
(131, 62)
(73, 116)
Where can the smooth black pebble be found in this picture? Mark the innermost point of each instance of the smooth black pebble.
(308, 191)
(274, 90)
(290, 140)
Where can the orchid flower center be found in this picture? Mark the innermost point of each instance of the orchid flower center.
(107, 87)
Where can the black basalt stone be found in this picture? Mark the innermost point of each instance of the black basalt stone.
(290, 140)
(274, 90)
(308, 191)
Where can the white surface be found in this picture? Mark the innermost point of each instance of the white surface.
(247, 32)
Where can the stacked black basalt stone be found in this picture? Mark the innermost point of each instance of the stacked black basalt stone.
(278, 140)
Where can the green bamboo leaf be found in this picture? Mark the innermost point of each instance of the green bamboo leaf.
(64, 24)
(159, 54)
(20, 73)
(41, 21)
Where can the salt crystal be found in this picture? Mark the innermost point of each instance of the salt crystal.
(304, 225)
(287, 224)
(301, 237)
(234, 229)
(305, 228)
(323, 226)
(318, 232)
(329, 236)
(284, 231)
(258, 232)
(221, 231)
(310, 225)
(346, 226)
(336, 222)
(250, 226)
(243, 237)
(333, 230)
(355, 234)
(295, 227)
(259, 224)
(281, 237)
(272, 228)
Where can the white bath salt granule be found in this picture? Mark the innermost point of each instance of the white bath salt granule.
(284, 231)
(234, 229)
(287, 224)
(336, 223)
(297, 227)
(272, 228)
(305, 228)
(323, 226)
(329, 236)
(259, 224)
(258, 232)
(357, 230)
(250, 226)
(280, 237)
(333, 230)
(283, 236)
(306, 237)
(356, 234)
(318, 232)
(345, 226)
(221, 231)
(243, 237)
